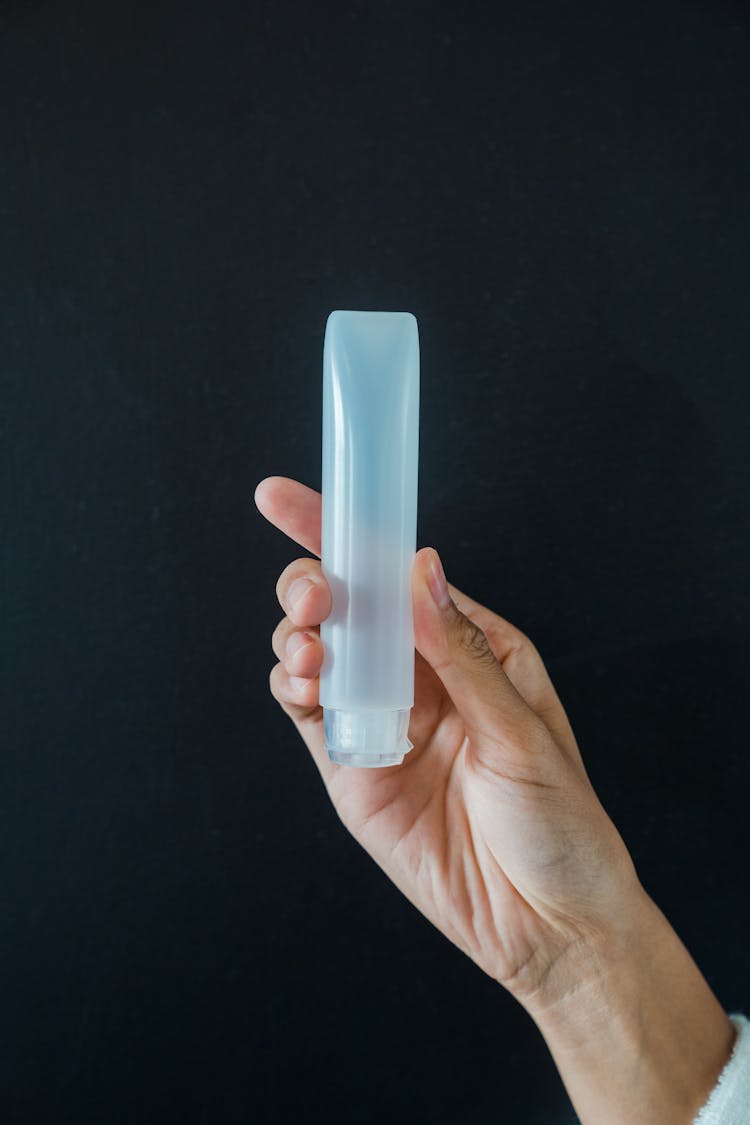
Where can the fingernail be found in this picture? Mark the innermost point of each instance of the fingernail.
(437, 583)
(295, 642)
(298, 684)
(297, 591)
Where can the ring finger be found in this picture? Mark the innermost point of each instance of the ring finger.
(300, 650)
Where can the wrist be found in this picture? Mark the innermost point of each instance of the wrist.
(634, 1029)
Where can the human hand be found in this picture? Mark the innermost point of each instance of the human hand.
(492, 829)
(490, 826)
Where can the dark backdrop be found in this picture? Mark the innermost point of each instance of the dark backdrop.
(561, 194)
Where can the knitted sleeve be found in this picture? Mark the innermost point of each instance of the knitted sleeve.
(729, 1101)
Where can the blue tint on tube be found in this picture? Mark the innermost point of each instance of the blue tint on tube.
(370, 453)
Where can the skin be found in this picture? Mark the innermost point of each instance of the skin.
(491, 828)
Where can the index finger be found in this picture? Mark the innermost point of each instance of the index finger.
(293, 508)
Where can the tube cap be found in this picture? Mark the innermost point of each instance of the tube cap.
(366, 738)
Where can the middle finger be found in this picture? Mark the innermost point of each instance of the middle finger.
(303, 592)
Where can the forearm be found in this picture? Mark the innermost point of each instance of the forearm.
(636, 1033)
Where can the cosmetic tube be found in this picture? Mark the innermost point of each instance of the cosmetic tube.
(369, 527)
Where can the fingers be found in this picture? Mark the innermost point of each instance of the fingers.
(298, 693)
(293, 508)
(508, 736)
(505, 734)
(300, 650)
(524, 667)
(298, 697)
(303, 592)
(296, 510)
(305, 597)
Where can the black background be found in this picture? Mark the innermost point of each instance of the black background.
(561, 194)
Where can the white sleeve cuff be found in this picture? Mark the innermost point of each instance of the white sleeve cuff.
(729, 1102)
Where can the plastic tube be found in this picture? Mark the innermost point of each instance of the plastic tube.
(370, 455)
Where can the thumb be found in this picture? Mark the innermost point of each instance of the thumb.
(500, 724)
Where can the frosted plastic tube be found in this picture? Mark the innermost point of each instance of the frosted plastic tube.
(370, 454)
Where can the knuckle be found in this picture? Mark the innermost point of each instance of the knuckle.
(274, 682)
(308, 573)
(472, 640)
(528, 663)
(299, 568)
(278, 637)
(280, 588)
(522, 652)
(526, 646)
(283, 583)
(520, 643)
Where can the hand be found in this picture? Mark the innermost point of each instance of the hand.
(490, 826)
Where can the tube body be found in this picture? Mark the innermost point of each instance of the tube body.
(369, 527)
